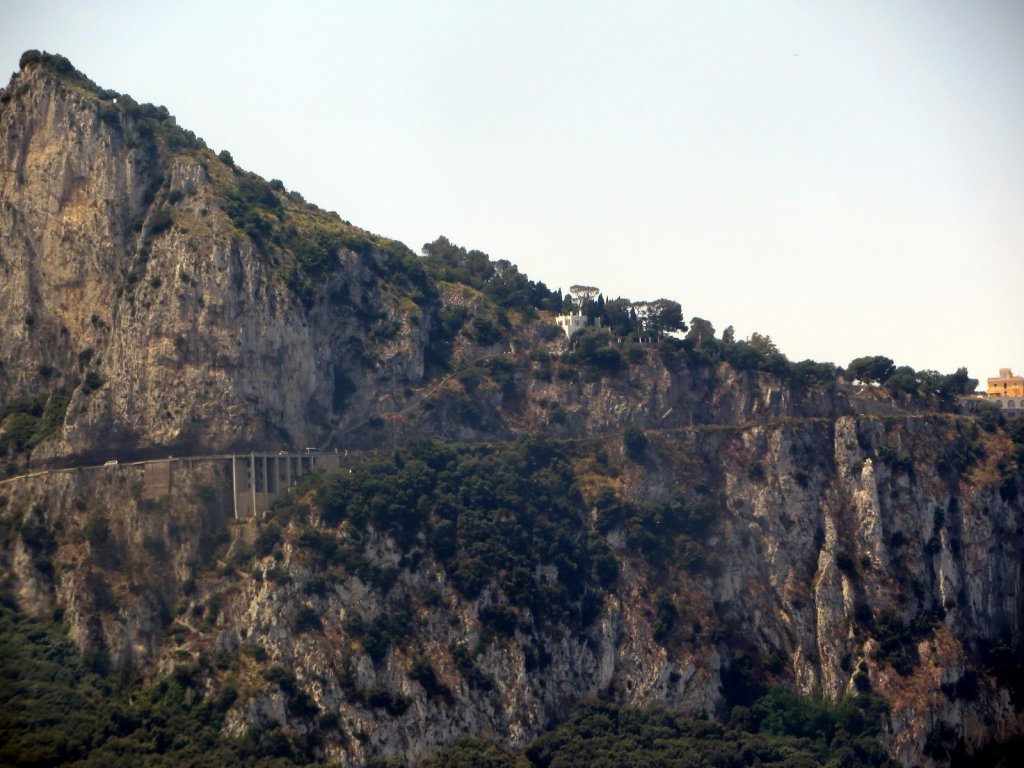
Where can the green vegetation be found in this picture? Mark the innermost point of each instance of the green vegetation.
(781, 729)
(496, 518)
(491, 516)
(301, 240)
(944, 388)
(501, 281)
(758, 353)
(596, 347)
(141, 124)
(306, 243)
(55, 711)
(28, 421)
(635, 443)
(625, 319)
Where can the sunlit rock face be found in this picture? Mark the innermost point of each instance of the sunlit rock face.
(124, 280)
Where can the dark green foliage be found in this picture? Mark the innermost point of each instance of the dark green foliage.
(449, 321)
(662, 316)
(501, 281)
(379, 634)
(846, 564)
(635, 442)
(103, 546)
(268, 538)
(253, 206)
(30, 58)
(29, 421)
(55, 711)
(30, 406)
(961, 453)
(990, 419)
(61, 66)
(877, 369)
(40, 543)
(809, 374)
(1007, 754)
(473, 753)
(306, 243)
(604, 568)
(344, 388)
(903, 379)
(897, 640)
(942, 389)
(898, 461)
(18, 431)
(499, 618)
(472, 674)
(484, 332)
(757, 472)
(596, 347)
(665, 616)
(758, 353)
(92, 382)
(779, 730)
(299, 702)
(306, 619)
(491, 516)
(1015, 429)
(671, 531)
(161, 222)
(423, 673)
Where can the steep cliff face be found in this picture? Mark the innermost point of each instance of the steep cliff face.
(831, 556)
(126, 282)
(754, 529)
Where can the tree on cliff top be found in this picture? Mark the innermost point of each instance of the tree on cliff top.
(869, 369)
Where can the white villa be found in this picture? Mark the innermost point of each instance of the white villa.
(573, 324)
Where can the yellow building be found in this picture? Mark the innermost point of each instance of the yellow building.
(1006, 384)
(1007, 391)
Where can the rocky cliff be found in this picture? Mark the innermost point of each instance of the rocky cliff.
(831, 556)
(173, 326)
(528, 524)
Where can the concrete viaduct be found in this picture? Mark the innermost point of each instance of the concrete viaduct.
(257, 478)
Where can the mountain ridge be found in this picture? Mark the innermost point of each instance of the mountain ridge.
(520, 523)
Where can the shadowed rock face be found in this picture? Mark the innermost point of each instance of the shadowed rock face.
(822, 567)
(853, 545)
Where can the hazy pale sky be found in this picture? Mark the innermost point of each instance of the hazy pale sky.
(847, 177)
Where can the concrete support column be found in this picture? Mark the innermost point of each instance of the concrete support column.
(252, 462)
(234, 484)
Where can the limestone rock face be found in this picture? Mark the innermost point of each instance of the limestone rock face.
(858, 542)
(829, 568)
(123, 279)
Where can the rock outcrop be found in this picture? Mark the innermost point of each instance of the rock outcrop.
(156, 299)
(125, 281)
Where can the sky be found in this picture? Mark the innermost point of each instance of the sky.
(845, 177)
